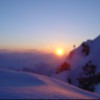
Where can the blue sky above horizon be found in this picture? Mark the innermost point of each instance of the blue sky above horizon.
(47, 24)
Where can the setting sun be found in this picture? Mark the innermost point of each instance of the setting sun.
(60, 52)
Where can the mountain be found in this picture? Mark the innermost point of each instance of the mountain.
(81, 68)
(84, 64)
(24, 85)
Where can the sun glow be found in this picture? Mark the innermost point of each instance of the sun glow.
(60, 52)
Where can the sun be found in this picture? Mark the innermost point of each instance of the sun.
(60, 52)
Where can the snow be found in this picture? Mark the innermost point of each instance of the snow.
(77, 60)
(97, 88)
(22, 85)
(61, 76)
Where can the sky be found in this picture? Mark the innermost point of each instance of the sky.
(48, 24)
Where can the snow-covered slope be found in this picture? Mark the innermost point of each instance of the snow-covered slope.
(85, 65)
(21, 85)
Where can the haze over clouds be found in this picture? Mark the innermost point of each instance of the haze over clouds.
(31, 61)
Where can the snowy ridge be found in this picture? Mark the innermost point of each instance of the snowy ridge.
(86, 55)
(22, 85)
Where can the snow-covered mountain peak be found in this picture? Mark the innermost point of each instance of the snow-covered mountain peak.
(85, 65)
(97, 38)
